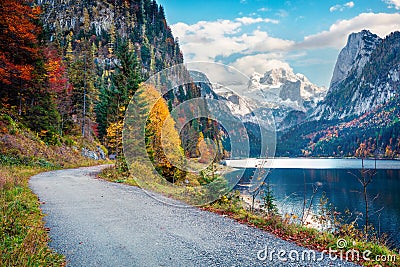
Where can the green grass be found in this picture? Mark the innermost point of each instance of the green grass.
(113, 174)
(23, 237)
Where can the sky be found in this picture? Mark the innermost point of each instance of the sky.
(258, 35)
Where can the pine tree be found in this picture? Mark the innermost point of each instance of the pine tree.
(269, 199)
(115, 96)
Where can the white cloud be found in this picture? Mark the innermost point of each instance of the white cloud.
(282, 13)
(258, 51)
(249, 20)
(260, 41)
(343, 7)
(260, 63)
(381, 24)
(393, 3)
(207, 40)
(263, 9)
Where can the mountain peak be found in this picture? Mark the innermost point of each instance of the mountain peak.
(278, 75)
(355, 54)
(361, 33)
(280, 78)
(365, 77)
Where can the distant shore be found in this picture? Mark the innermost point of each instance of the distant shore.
(313, 163)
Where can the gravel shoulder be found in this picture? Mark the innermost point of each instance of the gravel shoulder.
(97, 223)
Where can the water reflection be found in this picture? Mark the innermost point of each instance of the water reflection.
(342, 189)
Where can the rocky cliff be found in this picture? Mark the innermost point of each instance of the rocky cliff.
(366, 76)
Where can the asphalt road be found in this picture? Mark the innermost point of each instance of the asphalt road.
(97, 223)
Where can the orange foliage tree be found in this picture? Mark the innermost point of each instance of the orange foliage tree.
(206, 153)
(161, 137)
(58, 86)
(19, 49)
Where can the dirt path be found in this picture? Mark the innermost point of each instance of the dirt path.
(97, 223)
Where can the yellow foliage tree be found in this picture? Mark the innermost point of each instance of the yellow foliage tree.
(114, 136)
(362, 151)
(205, 153)
(389, 152)
(163, 143)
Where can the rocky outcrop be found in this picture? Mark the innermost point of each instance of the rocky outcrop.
(354, 56)
(366, 76)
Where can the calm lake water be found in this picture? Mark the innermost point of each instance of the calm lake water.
(336, 178)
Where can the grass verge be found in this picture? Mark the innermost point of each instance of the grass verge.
(23, 237)
(115, 175)
(287, 229)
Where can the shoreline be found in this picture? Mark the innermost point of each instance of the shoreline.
(308, 222)
(313, 163)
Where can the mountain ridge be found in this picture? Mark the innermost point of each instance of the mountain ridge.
(362, 108)
(278, 90)
(357, 91)
(355, 54)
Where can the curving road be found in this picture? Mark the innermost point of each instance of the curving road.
(97, 223)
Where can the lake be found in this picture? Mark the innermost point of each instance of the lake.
(336, 178)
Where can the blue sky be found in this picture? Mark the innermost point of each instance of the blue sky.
(257, 35)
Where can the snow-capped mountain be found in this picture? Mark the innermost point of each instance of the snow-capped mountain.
(281, 92)
(289, 96)
(366, 76)
(282, 86)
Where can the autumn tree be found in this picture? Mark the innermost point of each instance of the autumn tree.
(30, 75)
(162, 138)
(58, 85)
(19, 51)
(206, 152)
(114, 133)
(389, 152)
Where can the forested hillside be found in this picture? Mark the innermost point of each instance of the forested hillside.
(109, 47)
(70, 68)
(360, 111)
(67, 72)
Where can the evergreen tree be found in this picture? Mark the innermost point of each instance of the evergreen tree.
(269, 199)
(114, 97)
